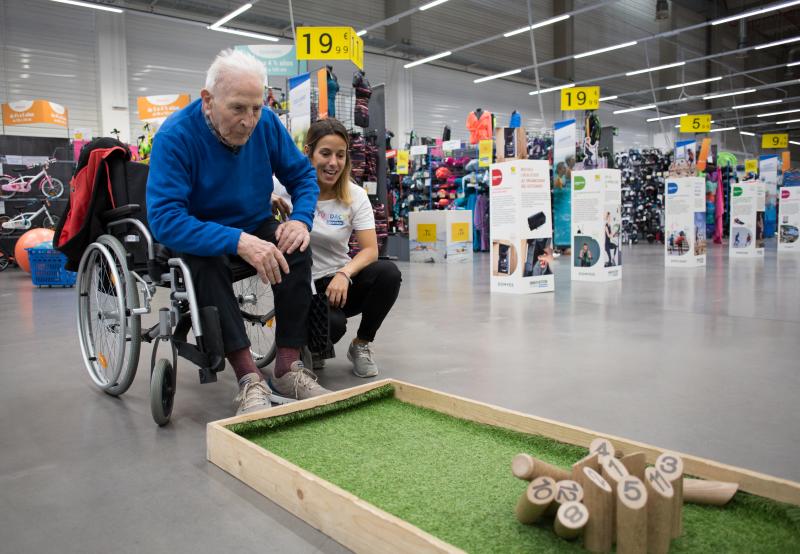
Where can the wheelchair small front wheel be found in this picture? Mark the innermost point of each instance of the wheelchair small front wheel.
(162, 391)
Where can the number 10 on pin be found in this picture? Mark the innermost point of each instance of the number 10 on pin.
(580, 98)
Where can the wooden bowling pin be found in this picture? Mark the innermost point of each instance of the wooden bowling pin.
(526, 467)
(671, 467)
(613, 472)
(592, 461)
(659, 511)
(598, 498)
(570, 520)
(566, 491)
(534, 501)
(602, 447)
(635, 464)
(714, 493)
(631, 516)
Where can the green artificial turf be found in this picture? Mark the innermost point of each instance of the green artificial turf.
(452, 478)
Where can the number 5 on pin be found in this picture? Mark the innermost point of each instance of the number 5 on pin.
(580, 98)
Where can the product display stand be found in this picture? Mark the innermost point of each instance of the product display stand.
(596, 225)
(789, 219)
(440, 236)
(746, 238)
(521, 230)
(685, 225)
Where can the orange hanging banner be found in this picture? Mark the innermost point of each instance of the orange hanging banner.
(702, 157)
(160, 106)
(28, 112)
(322, 87)
(787, 160)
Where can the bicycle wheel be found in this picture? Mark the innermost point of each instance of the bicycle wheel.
(109, 335)
(53, 188)
(258, 310)
(51, 223)
(4, 261)
(3, 230)
(6, 194)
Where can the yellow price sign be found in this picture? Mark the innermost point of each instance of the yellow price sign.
(697, 123)
(426, 232)
(485, 149)
(402, 162)
(580, 98)
(357, 51)
(775, 140)
(751, 166)
(324, 43)
(459, 232)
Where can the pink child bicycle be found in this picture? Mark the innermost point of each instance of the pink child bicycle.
(50, 186)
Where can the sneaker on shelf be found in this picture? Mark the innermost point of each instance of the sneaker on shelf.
(362, 357)
(253, 394)
(298, 383)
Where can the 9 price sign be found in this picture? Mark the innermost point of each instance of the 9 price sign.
(580, 98)
(324, 43)
(775, 140)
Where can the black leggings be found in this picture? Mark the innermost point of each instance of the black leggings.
(372, 294)
(213, 279)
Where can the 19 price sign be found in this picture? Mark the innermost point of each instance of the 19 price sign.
(580, 98)
(775, 140)
(325, 43)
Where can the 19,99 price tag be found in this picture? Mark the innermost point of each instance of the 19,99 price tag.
(324, 43)
(775, 140)
(698, 123)
(580, 98)
(426, 232)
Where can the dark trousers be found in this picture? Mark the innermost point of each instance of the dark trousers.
(372, 294)
(213, 282)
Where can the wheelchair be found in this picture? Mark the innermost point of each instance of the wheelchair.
(118, 278)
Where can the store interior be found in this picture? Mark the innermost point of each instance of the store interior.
(449, 96)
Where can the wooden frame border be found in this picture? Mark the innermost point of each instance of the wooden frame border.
(361, 526)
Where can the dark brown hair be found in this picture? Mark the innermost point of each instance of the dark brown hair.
(322, 128)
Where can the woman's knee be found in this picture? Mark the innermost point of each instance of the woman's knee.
(388, 274)
(337, 324)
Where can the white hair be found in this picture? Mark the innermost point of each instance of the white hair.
(236, 62)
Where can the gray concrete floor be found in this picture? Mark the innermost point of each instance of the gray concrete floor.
(702, 361)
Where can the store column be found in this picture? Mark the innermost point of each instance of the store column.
(112, 75)
(399, 109)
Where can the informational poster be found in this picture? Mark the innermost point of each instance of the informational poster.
(438, 236)
(685, 222)
(747, 220)
(520, 231)
(596, 223)
(300, 107)
(563, 163)
(768, 174)
(789, 217)
(161, 106)
(29, 112)
(279, 60)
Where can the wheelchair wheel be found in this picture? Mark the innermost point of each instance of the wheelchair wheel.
(110, 337)
(258, 310)
(162, 391)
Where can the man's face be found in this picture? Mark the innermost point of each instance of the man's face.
(234, 107)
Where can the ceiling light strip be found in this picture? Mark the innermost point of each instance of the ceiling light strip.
(726, 94)
(89, 5)
(656, 68)
(794, 142)
(607, 98)
(676, 116)
(754, 104)
(238, 11)
(722, 129)
(544, 23)
(606, 49)
(430, 5)
(551, 89)
(244, 33)
(751, 13)
(784, 112)
(636, 109)
(777, 43)
(690, 83)
(747, 133)
(786, 121)
(428, 59)
(497, 76)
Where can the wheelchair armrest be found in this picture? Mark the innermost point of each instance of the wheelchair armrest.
(119, 213)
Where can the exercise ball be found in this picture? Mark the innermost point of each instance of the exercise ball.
(29, 240)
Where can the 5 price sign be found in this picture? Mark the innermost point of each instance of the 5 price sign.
(580, 98)
(697, 123)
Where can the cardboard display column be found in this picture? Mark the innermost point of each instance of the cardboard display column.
(747, 220)
(685, 222)
(789, 220)
(440, 236)
(596, 221)
(521, 230)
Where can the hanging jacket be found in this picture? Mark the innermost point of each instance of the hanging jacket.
(516, 120)
(90, 196)
(333, 88)
(480, 128)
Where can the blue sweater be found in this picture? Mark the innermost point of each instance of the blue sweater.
(201, 195)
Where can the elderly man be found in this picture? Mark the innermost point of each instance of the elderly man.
(208, 198)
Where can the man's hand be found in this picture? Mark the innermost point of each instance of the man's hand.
(337, 291)
(292, 235)
(280, 207)
(264, 256)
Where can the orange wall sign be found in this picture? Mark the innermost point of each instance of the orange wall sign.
(27, 112)
(160, 106)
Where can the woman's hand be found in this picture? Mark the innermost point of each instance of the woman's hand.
(280, 207)
(337, 290)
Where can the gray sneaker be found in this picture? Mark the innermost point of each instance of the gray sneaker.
(363, 363)
(298, 383)
(253, 395)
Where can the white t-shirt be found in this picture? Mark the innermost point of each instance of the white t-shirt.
(334, 222)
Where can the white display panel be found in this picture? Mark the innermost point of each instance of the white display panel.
(789, 220)
(521, 230)
(685, 222)
(440, 236)
(747, 220)
(596, 222)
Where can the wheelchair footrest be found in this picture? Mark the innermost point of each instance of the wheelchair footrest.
(209, 353)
